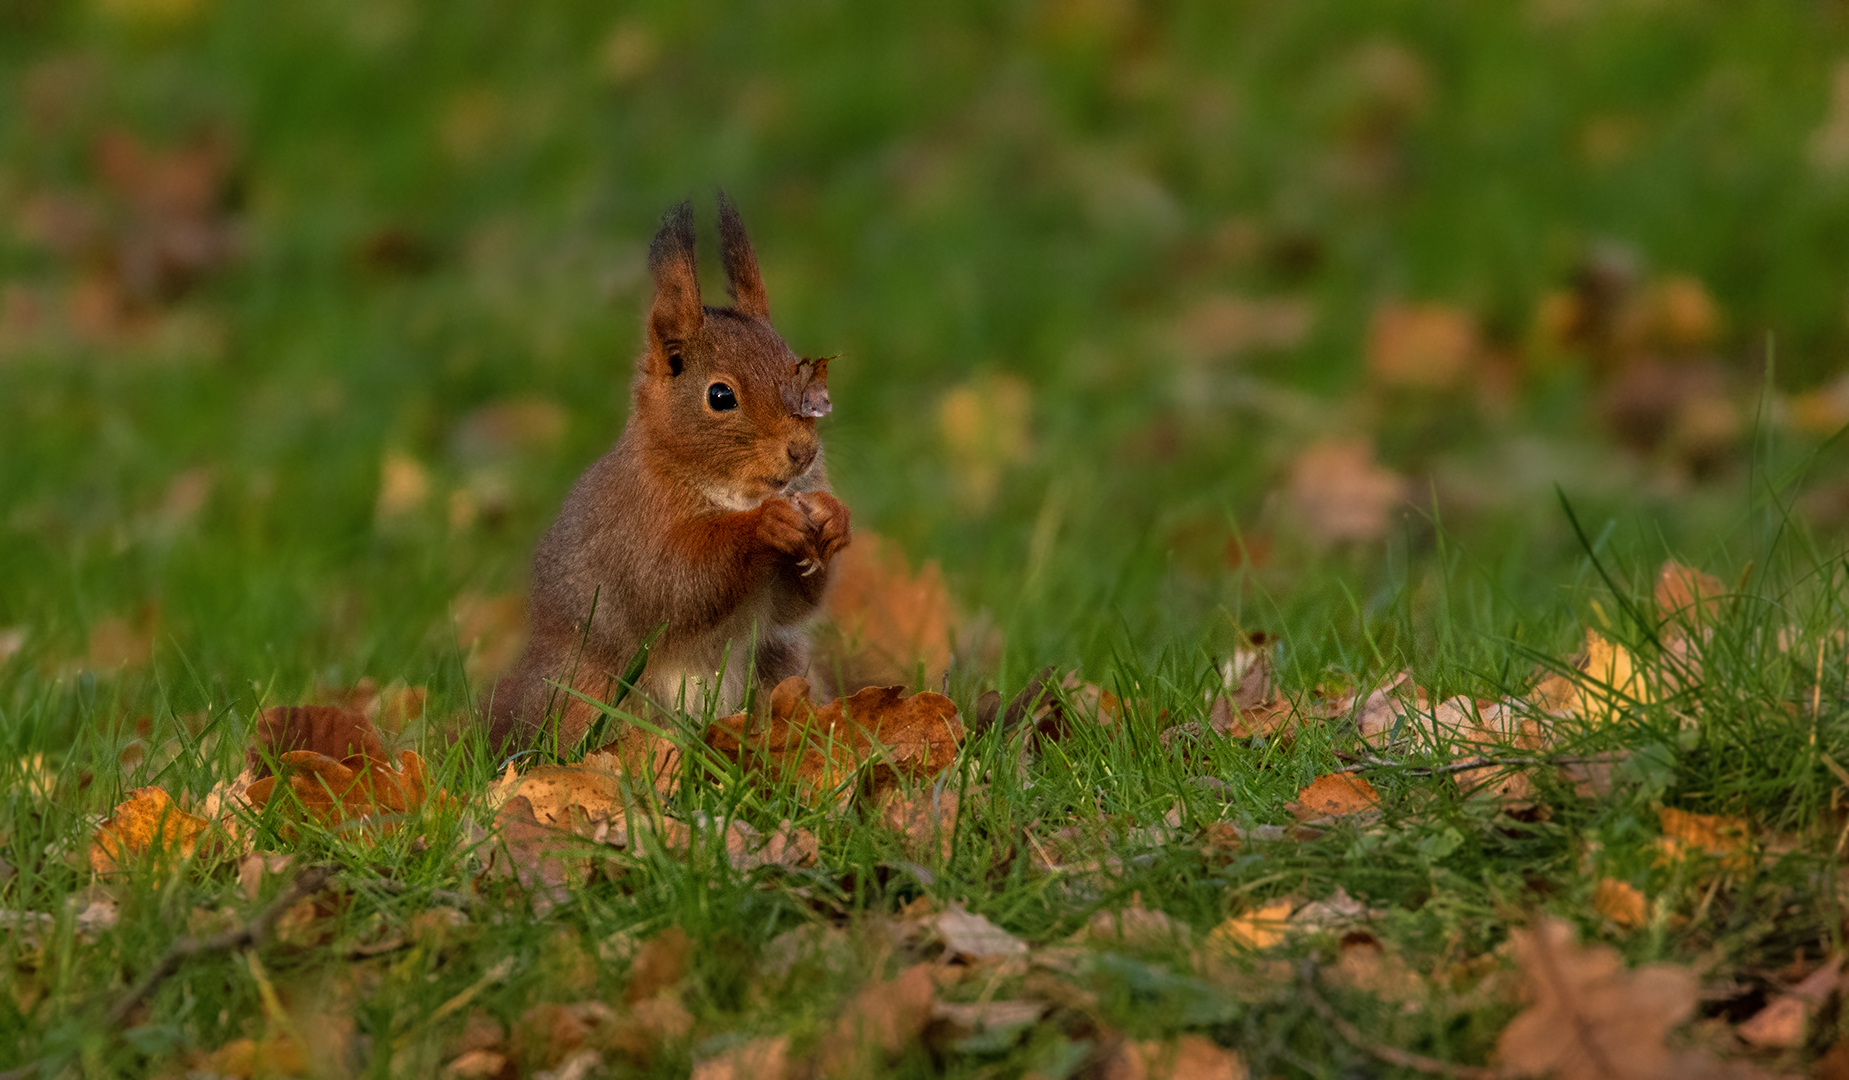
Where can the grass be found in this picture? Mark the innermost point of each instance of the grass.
(442, 212)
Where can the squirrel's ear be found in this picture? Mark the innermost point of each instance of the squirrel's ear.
(741, 266)
(676, 313)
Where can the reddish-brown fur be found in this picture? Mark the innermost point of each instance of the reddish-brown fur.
(717, 523)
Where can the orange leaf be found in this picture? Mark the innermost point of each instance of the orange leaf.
(146, 821)
(893, 736)
(1620, 902)
(1724, 838)
(1335, 795)
(1260, 928)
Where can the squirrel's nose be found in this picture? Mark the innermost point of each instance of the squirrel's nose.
(802, 455)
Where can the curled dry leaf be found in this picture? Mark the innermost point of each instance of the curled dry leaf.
(147, 821)
(1334, 795)
(1785, 1020)
(880, 730)
(926, 819)
(881, 1021)
(1190, 1057)
(759, 1059)
(1590, 1018)
(886, 625)
(329, 730)
(1339, 494)
(1686, 593)
(1621, 902)
(357, 788)
(968, 936)
(1727, 839)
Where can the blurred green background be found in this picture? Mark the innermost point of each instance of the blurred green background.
(1156, 322)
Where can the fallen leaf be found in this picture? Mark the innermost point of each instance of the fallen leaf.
(1686, 593)
(477, 1065)
(147, 821)
(1727, 839)
(1334, 795)
(658, 965)
(886, 626)
(973, 1018)
(1189, 1057)
(1785, 1020)
(357, 789)
(550, 1033)
(926, 818)
(490, 631)
(1339, 495)
(759, 1059)
(1612, 681)
(273, 1055)
(1590, 1018)
(117, 642)
(1429, 346)
(1338, 909)
(881, 1021)
(404, 487)
(327, 730)
(1221, 327)
(1260, 928)
(971, 937)
(890, 736)
(1363, 963)
(984, 425)
(1621, 902)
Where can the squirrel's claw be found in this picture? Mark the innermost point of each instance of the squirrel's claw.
(810, 566)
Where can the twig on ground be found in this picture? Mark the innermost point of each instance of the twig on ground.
(1392, 1055)
(307, 883)
(1368, 761)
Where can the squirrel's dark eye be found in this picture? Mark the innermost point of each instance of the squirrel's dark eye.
(719, 397)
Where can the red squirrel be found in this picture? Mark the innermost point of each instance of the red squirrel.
(711, 515)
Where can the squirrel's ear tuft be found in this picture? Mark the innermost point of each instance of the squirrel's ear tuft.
(675, 314)
(741, 266)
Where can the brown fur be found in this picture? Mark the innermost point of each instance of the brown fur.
(719, 524)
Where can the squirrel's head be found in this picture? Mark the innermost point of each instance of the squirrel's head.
(729, 408)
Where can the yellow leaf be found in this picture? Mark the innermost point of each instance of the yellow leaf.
(147, 821)
(1620, 902)
(1258, 929)
(1611, 676)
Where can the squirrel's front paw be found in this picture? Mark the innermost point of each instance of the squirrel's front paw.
(828, 524)
(782, 526)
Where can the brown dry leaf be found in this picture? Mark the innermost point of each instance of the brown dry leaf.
(968, 936)
(658, 965)
(117, 642)
(1621, 902)
(1334, 795)
(550, 1033)
(1687, 592)
(544, 857)
(353, 789)
(886, 626)
(1135, 927)
(1189, 1057)
(563, 796)
(984, 425)
(926, 818)
(893, 737)
(1427, 346)
(1260, 928)
(273, 1055)
(881, 1021)
(490, 631)
(147, 821)
(759, 1059)
(1727, 839)
(1785, 1020)
(1229, 326)
(327, 730)
(478, 1065)
(1363, 963)
(1591, 1019)
(966, 1019)
(1338, 493)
